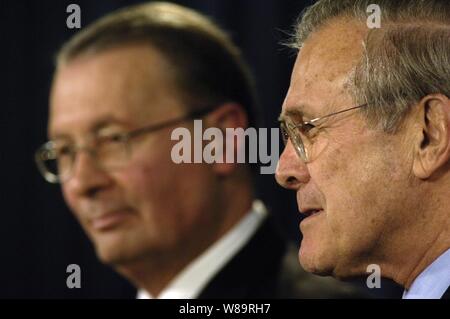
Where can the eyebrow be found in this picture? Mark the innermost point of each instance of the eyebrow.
(57, 136)
(108, 121)
(99, 125)
(296, 111)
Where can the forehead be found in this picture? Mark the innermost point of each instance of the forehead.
(322, 71)
(127, 85)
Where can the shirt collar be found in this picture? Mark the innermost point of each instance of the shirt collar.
(191, 280)
(433, 281)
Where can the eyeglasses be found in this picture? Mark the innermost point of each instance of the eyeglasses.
(55, 160)
(298, 133)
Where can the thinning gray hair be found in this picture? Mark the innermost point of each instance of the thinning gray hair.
(405, 60)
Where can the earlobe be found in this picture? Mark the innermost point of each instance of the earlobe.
(432, 149)
(228, 116)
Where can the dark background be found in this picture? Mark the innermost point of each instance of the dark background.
(38, 235)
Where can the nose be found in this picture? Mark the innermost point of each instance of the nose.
(87, 178)
(291, 171)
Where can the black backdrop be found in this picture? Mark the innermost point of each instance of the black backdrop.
(38, 235)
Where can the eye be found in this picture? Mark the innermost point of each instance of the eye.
(64, 150)
(307, 128)
(112, 138)
(118, 137)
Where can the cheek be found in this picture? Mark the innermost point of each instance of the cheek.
(144, 180)
(151, 174)
(165, 192)
(146, 186)
(349, 178)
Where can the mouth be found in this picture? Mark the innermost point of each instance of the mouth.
(111, 220)
(311, 212)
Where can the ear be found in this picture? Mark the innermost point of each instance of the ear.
(432, 148)
(228, 115)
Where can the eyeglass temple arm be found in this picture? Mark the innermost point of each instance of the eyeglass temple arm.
(335, 113)
(159, 126)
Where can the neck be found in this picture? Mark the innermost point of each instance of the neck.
(420, 244)
(437, 248)
(156, 270)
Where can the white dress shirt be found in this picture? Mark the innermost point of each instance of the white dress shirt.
(433, 281)
(191, 280)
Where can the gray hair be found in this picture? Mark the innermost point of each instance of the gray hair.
(405, 60)
(208, 67)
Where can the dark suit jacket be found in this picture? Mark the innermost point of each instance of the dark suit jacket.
(267, 267)
(446, 294)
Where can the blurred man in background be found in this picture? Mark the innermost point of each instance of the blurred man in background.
(121, 87)
(367, 126)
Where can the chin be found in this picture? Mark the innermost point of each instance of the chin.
(109, 256)
(316, 261)
(115, 252)
(315, 268)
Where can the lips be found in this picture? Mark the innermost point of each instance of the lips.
(309, 212)
(111, 220)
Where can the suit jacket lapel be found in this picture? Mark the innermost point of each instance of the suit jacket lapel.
(253, 271)
(446, 294)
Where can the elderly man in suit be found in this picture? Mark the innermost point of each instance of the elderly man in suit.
(175, 230)
(367, 127)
